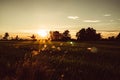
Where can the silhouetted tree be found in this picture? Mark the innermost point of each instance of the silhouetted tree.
(66, 36)
(98, 36)
(81, 35)
(118, 37)
(16, 38)
(33, 37)
(6, 35)
(88, 34)
(112, 38)
(55, 35)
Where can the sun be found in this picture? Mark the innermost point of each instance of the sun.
(42, 33)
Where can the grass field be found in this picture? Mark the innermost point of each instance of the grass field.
(39, 60)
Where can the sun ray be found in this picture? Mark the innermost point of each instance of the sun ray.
(42, 33)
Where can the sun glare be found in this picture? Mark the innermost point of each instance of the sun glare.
(42, 33)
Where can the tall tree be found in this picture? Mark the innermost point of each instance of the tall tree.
(81, 35)
(88, 34)
(16, 38)
(6, 36)
(66, 35)
(55, 35)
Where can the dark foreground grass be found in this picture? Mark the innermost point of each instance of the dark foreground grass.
(31, 60)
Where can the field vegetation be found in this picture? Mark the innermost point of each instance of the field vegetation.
(41, 60)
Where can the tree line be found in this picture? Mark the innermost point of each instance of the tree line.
(88, 34)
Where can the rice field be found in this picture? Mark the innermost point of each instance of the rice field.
(46, 60)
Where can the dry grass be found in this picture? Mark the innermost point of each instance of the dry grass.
(59, 60)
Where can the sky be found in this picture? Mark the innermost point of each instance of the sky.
(30, 16)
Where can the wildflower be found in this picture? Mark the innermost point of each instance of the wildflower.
(89, 48)
(62, 75)
(61, 44)
(53, 47)
(43, 49)
(58, 48)
(45, 46)
(34, 52)
(93, 49)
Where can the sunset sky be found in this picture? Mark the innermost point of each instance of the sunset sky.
(30, 16)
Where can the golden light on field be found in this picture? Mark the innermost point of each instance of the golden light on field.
(43, 33)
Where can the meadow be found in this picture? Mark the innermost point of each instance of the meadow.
(46, 60)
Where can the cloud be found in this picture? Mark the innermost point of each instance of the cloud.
(73, 17)
(109, 34)
(93, 21)
(106, 30)
(112, 20)
(107, 15)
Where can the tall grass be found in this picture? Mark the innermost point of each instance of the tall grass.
(59, 61)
